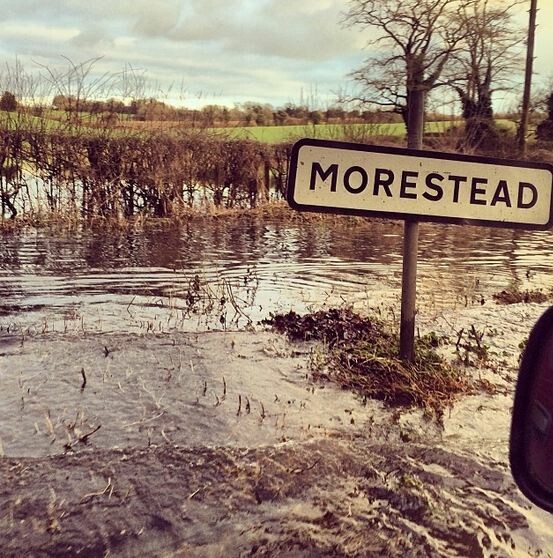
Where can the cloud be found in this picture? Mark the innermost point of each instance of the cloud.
(159, 22)
(37, 32)
(306, 30)
(263, 50)
(93, 37)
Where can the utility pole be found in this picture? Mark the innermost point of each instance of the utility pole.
(523, 128)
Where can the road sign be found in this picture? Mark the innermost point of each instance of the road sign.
(348, 178)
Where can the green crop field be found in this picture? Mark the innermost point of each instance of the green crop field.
(276, 134)
(353, 132)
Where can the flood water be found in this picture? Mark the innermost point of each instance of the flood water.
(107, 280)
(114, 305)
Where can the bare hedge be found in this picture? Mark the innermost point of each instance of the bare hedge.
(124, 175)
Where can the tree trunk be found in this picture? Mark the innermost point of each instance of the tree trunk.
(415, 121)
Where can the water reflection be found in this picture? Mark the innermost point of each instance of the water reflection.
(293, 264)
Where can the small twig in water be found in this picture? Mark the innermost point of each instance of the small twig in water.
(459, 337)
(90, 495)
(83, 439)
(192, 494)
(129, 305)
(303, 469)
(50, 426)
(83, 385)
(143, 421)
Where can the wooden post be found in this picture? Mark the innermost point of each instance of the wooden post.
(523, 128)
(411, 239)
(266, 181)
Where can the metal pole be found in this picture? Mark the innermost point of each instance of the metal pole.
(411, 240)
(523, 128)
(409, 291)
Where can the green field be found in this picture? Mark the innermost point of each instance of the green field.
(354, 132)
(277, 134)
(265, 134)
(359, 132)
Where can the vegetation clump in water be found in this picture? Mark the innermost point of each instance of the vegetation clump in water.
(514, 296)
(363, 356)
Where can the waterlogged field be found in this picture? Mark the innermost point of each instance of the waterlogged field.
(146, 409)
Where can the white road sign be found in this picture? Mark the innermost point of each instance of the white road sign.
(338, 177)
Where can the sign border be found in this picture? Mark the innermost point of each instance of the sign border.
(314, 142)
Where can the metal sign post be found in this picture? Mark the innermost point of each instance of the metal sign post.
(414, 185)
(415, 130)
(409, 291)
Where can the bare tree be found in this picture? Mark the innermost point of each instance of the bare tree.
(490, 57)
(79, 82)
(415, 40)
(373, 89)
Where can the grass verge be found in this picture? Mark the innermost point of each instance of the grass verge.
(362, 356)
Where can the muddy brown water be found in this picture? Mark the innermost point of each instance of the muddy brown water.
(197, 433)
(116, 281)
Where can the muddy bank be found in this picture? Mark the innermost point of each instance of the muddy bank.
(325, 497)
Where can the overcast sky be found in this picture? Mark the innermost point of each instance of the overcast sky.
(206, 51)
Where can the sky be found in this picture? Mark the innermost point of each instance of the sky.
(196, 52)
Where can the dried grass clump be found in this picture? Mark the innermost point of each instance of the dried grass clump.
(363, 356)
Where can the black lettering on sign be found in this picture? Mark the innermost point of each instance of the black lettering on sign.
(521, 204)
(332, 171)
(456, 183)
(431, 184)
(379, 181)
(406, 184)
(364, 180)
(502, 194)
(476, 191)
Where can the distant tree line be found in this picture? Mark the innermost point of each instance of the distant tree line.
(213, 115)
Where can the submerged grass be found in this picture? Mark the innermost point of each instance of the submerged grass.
(273, 210)
(363, 356)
